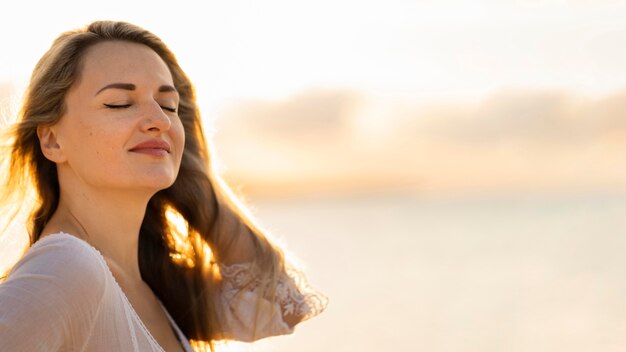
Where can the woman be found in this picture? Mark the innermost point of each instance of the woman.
(110, 138)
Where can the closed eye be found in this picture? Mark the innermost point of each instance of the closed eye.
(113, 106)
(123, 106)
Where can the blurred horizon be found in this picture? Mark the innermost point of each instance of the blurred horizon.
(324, 142)
(513, 141)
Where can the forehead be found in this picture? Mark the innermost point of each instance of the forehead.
(119, 61)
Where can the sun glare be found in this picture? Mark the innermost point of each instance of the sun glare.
(12, 248)
(222, 346)
(185, 244)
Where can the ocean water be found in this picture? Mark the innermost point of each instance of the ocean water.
(404, 273)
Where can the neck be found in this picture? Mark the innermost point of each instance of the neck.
(108, 220)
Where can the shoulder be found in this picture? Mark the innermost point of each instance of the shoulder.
(62, 242)
(62, 249)
(63, 261)
(59, 281)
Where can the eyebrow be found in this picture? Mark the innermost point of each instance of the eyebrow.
(129, 86)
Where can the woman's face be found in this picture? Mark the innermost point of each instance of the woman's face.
(121, 128)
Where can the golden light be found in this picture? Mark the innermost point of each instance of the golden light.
(185, 244)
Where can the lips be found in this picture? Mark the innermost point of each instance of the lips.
(152, 147)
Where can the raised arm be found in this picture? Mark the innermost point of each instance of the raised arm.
(260, 294)
(251, 308)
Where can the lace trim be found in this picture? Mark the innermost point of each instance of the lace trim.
(294, 295)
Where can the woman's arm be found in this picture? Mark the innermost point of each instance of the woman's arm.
(246, 311)
(259, 294)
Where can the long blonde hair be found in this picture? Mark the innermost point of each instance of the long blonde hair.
(211, 214)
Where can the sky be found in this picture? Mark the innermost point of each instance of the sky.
(315, 83)
(400, 49)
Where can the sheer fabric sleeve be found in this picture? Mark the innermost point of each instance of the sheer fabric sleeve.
(50, 297)
(246, 311)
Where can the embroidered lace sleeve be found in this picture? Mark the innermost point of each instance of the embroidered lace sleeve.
(247, 314)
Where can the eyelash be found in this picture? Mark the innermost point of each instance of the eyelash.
(111, 106)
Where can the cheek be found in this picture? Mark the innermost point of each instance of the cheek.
(178, 136)
(96, 141)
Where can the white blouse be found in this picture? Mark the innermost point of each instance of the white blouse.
(61, 296)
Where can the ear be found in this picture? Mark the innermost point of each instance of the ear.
(49, 144)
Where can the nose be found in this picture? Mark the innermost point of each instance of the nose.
(155, 119)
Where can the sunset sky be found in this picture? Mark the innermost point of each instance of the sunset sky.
(354, 92)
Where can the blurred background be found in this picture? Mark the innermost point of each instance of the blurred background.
(452, 174)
